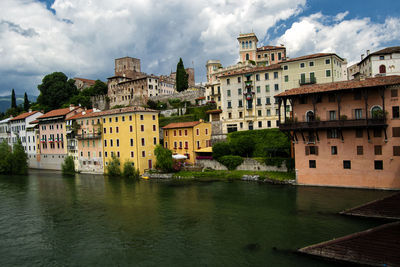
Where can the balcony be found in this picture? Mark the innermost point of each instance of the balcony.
(291, 126)
(88, 136)
(305, 81)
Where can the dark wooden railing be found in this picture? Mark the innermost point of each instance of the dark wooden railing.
(333, 124)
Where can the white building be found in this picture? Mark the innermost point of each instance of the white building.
(381, 63)
(5, 132)
(19, 126)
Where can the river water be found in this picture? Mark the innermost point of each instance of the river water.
(50, 220)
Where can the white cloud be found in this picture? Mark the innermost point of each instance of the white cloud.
(348, 38)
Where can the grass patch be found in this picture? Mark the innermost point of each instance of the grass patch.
(213, 175)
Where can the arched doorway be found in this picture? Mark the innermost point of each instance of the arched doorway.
(310, 116)
(382, 69)
(376, 112)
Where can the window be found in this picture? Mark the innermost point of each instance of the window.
(240, 114)
(302, 65)
(360, 150)
(116, 119)
(260, 124)
(174, 132)
(105, 130)
(257, 77)
(311, 150)
(239, 80)
(377, 132)
(267, 88)
(333, 150)
(130, 117)
(332, 133)
(131, 128)
(197, 131)
(143, 154)
(332, 115)
(258, 89)
(276, 87)
(393, 93)
(272, 57)
(110, 120)
(228, 92)
(327, 61)
(105, 143)
(131, 141)
(142, 128)
(180, 132)
(266, 76)
(123, 118)
(311, 63)
(285, 67)
(186, 132)
(328, 73)
(268, 101)
(381, 57)
(110, 129)
(155, 140)
(175, 145)
(229, 115)
(117, 129)
(346, 164)
(359, 133)
(206, 131)
(275, 75)
(286, 78)
(132, 154)
(228, 81)
(239, 91)
(358, 113)
(268, 113)
(180, 145)
(378, 150)
(141, 117)
(229, 104)
(143, 143)
(312, 164)
(395, 112)
(154, 117)
(396, 150)
(396, 131)
(378, 164)
(258, 101)
(259, 112)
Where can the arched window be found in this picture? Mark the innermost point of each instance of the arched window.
(243, 44)
(382, 69)
(376, 112)
(310, 116)
(247, 57)
(250, 44)
(247, 44)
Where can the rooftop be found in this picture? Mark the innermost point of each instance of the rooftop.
(252, 70)
(24, 115)
(306, 57)
(91, 82)
(269, 47)
(343, 85)
(385, 51)
(175, 125)
(57, 112)
(113, 111)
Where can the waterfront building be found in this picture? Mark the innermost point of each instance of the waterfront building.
(186, 138)
(52, 131)
(131, 134)
(346, 133)
(19, 125)
(311, 69)
(5, 131)
(248, 98)
(380, 63)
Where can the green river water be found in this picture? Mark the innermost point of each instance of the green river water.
(50, 220)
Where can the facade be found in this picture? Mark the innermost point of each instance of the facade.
(186, 137)
(126, 92)
(82, 83)
(53, 137)
(248, 98)
(346, 133)
(19, 125)
(381, 63)
(5, 131)
(166, 85)
(311, 69)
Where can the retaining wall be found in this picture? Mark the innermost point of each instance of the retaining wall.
(247, 165)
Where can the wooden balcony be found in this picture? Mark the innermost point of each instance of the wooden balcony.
(363, 123)
(310, 80)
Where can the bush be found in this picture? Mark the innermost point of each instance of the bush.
(19, 159)
(221, 149)
(5, 158)
(274, 161)
(242, 146)
(231, 162)
(163, 121)
(165, 161)
(113, 167)
(68, 167)
(129, 171)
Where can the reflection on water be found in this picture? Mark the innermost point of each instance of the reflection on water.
(47, 219)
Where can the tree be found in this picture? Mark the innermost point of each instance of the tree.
(99, 88)
(26, 102)
(19, 159)
(181, 77)
(129, 171)
(68, 167)
(55, 90)
(242, 146)
(221, 149)
(13, 99)
(5, 158)
(113, 167)
(164, 158)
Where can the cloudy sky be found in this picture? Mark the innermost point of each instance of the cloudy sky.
(82, 37)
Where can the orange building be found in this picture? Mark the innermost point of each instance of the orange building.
(186, 137)
(346, 133)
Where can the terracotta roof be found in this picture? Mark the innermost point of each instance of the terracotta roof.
(344, 85)
(214, 111)
(24, 115)
(57, 112)
(269, 47)
(385, 51)
(310, 57)
(116, 111)
(201, 98)
(33, 122)
(252, 70)
(91, 82)
(174, 125)
(80, 114)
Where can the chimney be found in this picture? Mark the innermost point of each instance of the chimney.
(83, 112)
(362, 56)
(368, 52)
(30, 110)
(71, 107)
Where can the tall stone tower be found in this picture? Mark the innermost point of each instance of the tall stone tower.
(247, 46)
(127, 67)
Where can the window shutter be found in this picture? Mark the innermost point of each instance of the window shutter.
(307, 150)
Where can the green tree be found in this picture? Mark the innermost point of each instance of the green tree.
(5, 158)
(164, 158)
(68, 167)
(19, 159)
(231, 162)
(242, 146)
(129, 171)
(26, 102)
(55, 90)
(113, 166)
(13, 99)
(99, 88)
(181, 77)
(221, 149)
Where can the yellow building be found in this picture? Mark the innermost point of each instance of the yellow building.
(186, 137)
(130, 134)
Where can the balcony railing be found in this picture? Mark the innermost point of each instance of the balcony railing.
(310, 80)
(88, 136)
(333, 124)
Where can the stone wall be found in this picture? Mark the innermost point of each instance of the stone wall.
(183, 96)
(247, 165)
(169, 112)
(47, 162)
(100, 102)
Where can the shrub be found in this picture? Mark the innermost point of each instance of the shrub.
(5, 158)
(242, 146)
(221, 149)
(113, 167)
(68, 167)
(129, 171)
(231, 162)
(165, 161)
(274, 161)
(19, 159)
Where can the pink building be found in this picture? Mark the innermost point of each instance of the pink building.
(346, 133)
(53, 140)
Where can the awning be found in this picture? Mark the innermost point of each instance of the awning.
(179, 156)
(204, 150)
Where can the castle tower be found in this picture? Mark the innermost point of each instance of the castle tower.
(127, 67)
(247, 46)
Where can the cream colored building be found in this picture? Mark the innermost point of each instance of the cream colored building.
(311, 69)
